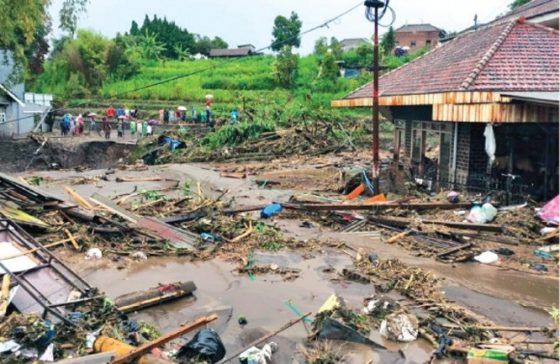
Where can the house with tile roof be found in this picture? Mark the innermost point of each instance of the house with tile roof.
(417, 36)
(502, 79)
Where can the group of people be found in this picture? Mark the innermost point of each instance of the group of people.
(70, 125)
(121, 113)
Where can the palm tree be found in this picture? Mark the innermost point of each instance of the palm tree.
(182, 54)
(150, 47)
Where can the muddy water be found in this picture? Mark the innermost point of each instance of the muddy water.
(509, 286)
(263, 300)
(486, 290)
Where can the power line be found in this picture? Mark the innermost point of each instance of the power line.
(174, 78)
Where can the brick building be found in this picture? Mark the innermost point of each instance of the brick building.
(417, 36)
(504, 75)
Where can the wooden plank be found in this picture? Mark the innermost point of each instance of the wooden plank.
(112, 207)
(79, 199)
(5, 295)
(145, 348)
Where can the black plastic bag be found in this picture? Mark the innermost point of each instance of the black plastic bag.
(205, 345)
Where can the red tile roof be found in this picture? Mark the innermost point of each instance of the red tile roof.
(532, 9)
(513, 56)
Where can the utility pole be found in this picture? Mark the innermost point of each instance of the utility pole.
(376, 5)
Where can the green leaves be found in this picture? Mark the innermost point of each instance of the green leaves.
(286, 32)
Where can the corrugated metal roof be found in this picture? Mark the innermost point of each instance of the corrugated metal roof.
(552, 98)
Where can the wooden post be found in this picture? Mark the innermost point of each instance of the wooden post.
(5, 294)
(397, 145)
(143, 349)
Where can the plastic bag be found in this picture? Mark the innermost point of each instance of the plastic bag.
(271, 210)
(550, 212)
(400, 327)
(487, 257)
(205, 345)
(254, 355)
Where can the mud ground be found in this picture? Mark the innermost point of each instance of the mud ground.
(506, 297)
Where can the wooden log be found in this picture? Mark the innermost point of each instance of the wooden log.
(400, 222)
(380, 205)
(145, 348)
(153, 296)
(453, 250)
(139, 179)
(397, 237)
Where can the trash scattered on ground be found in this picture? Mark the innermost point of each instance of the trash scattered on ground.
(206, 345)
(399, 327)
(487, 257)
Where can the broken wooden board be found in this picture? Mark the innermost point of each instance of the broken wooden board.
(178, 238)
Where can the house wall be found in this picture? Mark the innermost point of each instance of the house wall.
(420, 39)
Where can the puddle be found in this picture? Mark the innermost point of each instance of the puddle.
(262, 300)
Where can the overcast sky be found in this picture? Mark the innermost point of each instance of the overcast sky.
(250, 21)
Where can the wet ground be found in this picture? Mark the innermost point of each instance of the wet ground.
(505, 297)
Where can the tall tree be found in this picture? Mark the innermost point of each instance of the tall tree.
(517, 3)
(21, 22)
(286, 32)
(388, 41)
(24, 27)
(285, 67)
(134, 30)
(69, 14)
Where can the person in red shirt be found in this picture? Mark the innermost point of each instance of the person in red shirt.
(110, 112)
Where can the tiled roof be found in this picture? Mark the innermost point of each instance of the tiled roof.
(531, 9)
(513, 56)
(417, 28)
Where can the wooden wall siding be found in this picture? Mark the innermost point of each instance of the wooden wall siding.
(466, 97)
(496, 113)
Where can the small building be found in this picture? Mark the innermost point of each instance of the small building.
(244, 50)
(12, 94)
(417, 36)
(496, 85)
(352, 43)
(19, 111)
